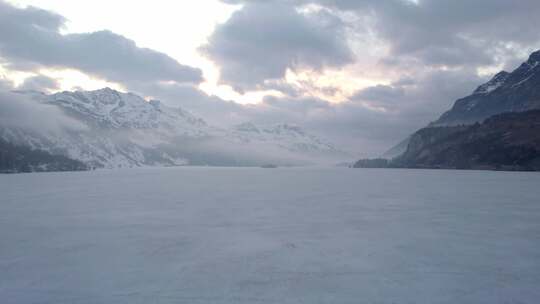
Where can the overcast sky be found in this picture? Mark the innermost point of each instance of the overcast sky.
(361, 73)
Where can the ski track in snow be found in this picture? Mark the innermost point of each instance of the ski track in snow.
(250, 235)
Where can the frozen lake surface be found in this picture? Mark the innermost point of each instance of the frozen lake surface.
(304, 235)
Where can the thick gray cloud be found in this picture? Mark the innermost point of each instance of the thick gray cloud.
(215, 110)
(381, 95)
(5, 85)
(30, 38)
(402, 107)
(406, 107)
(262, 40)
(436, 46)
(459, 32)
(450, 33)
(22, 111)
(40, 83)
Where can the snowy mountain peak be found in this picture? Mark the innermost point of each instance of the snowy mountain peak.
(109, 108)
(288, 136)
(247, 127)
(530, 66)
(155, 103)
(505, 92)
(278, 129)
(497, 81)
(126, 130)
(534, 58)
(288, 128)
(102, 96)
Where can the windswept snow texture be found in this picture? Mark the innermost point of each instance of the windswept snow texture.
(250, 235)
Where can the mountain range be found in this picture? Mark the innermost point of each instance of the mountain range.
(112, 129)
(119, 130)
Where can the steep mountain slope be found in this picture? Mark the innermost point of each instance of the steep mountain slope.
(517, 91)
(397, 150)
(125, 130)
(509, 141)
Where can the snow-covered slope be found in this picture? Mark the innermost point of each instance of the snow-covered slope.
(110, 108)
(125, 130)
(290, 137)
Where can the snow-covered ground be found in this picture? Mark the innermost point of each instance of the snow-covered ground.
(300, 235)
